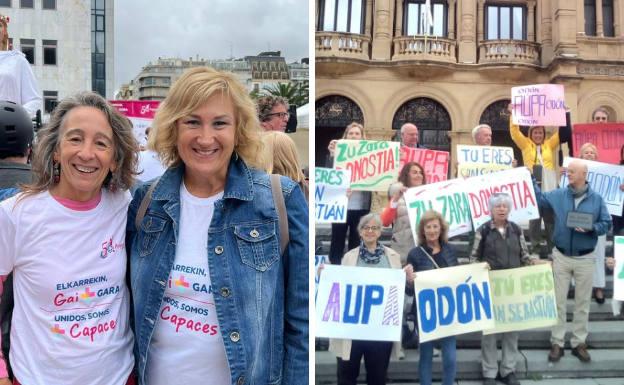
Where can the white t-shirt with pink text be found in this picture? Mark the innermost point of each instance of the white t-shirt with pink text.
(70, 321)
(186, 347)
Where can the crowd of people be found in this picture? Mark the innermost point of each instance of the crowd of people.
(577, 254)
(203, 267)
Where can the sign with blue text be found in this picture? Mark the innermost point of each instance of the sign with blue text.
(605, 179)
(360, 303)
(453, 300)
(479, 160)
(330, 192)
(618, 270)
(523, 298)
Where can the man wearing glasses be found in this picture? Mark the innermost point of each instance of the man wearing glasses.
(273, 113)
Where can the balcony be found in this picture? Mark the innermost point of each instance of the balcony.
(419, 48)
(342, 45)
(509, 51)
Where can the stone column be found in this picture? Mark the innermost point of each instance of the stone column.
(451, 19)
(580, 17)
(481, 21)
(531, 20)
(544, 24)
(599, 21)
(398, 30)
(467, 33)
(618, 17)
(382, 30)
(369, 18)
(563, 14)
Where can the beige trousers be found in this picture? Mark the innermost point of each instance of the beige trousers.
(582, 270)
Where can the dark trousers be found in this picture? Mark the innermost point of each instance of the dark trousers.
(339, 234)
(376, 359)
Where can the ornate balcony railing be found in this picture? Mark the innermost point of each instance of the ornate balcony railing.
(341, 44)
(509, 51)
(419, 48)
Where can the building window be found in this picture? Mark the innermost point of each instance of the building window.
(5, 3)
(342, 16)
(415, 19)
(505, 22)
(48, 4)
(607, 18)
(27, 4)
(98, 47)
(50, 100)
(28, 48)
(49, 52)
(590, 17)
(432, 119)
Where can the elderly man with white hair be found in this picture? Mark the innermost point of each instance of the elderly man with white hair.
(409, 135)
(580, 218)
(482, 135)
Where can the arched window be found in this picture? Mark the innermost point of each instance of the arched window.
(431, 118)
(416, 21)
(341, 16)
(332, 115)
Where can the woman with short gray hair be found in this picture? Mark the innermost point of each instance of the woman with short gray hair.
(500, 243)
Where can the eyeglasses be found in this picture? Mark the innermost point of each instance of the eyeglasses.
(281, 115)
(371, 228)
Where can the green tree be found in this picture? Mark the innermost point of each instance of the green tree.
(295, 93)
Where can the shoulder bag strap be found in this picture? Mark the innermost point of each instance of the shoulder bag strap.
(280, 206)
(430, 257)
(144, 203)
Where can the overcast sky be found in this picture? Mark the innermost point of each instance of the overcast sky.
(147, 29)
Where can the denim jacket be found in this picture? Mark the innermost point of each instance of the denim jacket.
(262, 300)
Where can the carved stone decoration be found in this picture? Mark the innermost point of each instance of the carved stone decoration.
(467, 34)
(599, 70)
(337, 111)
(431, 118)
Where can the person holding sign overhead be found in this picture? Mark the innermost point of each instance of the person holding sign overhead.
(434, 252)
(581, 216)
(500, 243)
(371, 253)
(359, 203)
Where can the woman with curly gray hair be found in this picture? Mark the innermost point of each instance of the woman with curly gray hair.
(72, 221)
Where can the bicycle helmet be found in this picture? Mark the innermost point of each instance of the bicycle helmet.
(16, 129)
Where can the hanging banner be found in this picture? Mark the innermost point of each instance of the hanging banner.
(607, 137)
(480, 160)
(449, 198)
(360, 303)
(141, 114)
(618, 270)
(374, 165)
(605, 179)
(538, 105)
(515, 182)
(452, 301)
(435, 163)
(523, 298)
(330, 191)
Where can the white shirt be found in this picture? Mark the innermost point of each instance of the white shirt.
(70, 321)
(149, 166)
(18, 83)
(186, 346)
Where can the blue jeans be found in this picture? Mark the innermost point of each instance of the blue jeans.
(448, 360)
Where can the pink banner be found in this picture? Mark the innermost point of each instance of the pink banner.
(607, 137)
(434, 162)
(538, 105)
(136, 108)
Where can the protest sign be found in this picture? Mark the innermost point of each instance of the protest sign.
(538, 105)
(318, 261)
(605, 179)
(448, 198)
(523, 298)
(618, 270)
(435, 163)
(453, 300)
(515, 182)
(374, 165)
(330, 192)
(480, 160)
(360, 303)
(141, 114)
(607, 137)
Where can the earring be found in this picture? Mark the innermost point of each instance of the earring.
(56, 168)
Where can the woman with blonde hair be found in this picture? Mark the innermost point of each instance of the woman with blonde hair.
(359, 204)
(280, 157)
(63, 237)
(219, 264)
